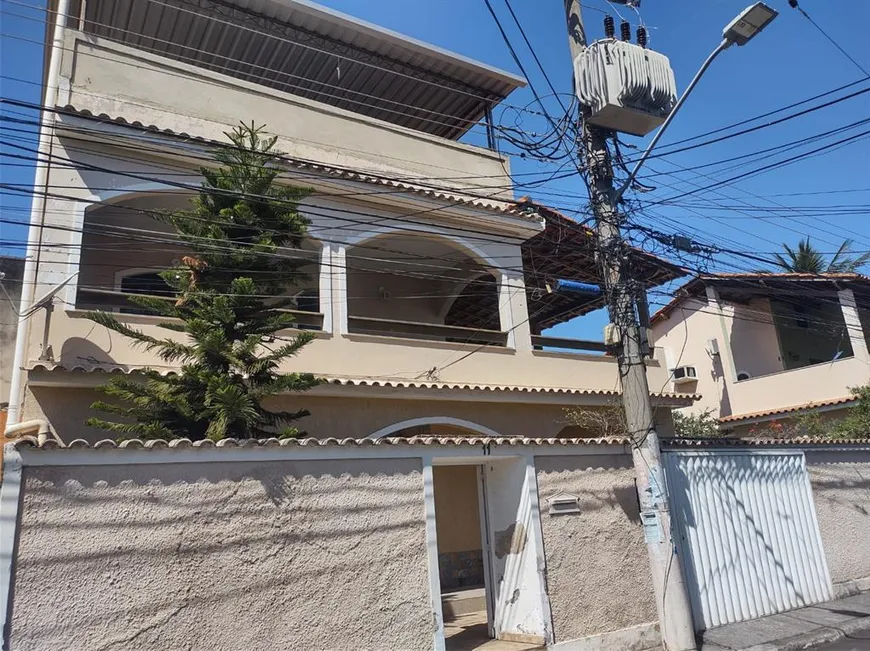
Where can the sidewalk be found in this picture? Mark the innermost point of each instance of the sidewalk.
(798, 629)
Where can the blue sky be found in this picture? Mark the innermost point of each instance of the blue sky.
(788, 62)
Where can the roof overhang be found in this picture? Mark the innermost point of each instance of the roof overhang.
(768, 415)
(303, 48)
(742, 287)
(423, 200)
(92, 376)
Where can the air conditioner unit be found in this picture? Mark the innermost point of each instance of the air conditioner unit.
(684, 374)
(626, 87)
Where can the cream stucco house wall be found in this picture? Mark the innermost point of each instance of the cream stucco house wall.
(428, 284)
(762, 347)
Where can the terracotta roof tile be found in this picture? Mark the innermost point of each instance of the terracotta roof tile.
(758, 442)
(694, 286)
(185, 444)
(393, 383)
(736, 418)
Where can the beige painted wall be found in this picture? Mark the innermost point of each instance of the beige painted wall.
(303, 555)
(331, 416)
(841, 493)
(457, 510)
(750, 332)
(598, 575)
(120, 81)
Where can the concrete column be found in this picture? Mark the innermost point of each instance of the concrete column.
(325, 286)
(513, 311)
(726, 355)
(853, 324)
(339, 289)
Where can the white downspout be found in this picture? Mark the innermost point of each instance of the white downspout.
(39, 427)
(37, 215)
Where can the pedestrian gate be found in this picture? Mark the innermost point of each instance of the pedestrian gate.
(746, 533)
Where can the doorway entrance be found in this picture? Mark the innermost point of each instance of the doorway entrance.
(464, 565)
(459, 520)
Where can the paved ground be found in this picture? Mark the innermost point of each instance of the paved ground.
(468, 633)
(845, 622)
(857, 641)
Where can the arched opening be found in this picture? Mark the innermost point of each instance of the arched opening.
(421, 287)
(433, 426)
(125, 247)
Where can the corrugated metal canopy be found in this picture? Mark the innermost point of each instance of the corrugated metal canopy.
(298, 47)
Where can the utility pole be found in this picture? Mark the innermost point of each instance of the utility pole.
(667, 575)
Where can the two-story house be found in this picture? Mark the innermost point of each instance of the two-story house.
(430, 287)
(767, 347)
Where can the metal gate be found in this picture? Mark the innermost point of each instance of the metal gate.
(747, 533)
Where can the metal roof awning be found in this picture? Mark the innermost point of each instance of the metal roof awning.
(299, 47)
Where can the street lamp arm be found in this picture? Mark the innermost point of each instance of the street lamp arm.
(725, 44)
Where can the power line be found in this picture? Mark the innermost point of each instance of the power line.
(793, 4)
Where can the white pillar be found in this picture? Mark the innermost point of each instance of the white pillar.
(438, 643)
(339, 289)
(726, 355)
(513, 311)
(853, 324)
(325, 286)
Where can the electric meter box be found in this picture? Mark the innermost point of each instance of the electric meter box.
(626, 87)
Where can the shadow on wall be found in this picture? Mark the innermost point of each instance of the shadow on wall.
(201, 549)
(751, 535)
(718, 377)
(67, 410)
(609, 496)
(83, 352)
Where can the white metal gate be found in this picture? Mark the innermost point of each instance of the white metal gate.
(747, 533)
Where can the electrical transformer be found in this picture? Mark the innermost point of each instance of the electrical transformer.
(626, 87)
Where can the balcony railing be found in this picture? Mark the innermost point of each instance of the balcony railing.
(92, 298)
(541, 342)
(426, 331)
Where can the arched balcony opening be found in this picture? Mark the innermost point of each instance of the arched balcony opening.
(420, 287)
(125, 248)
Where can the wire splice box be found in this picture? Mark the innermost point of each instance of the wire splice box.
(626, 87)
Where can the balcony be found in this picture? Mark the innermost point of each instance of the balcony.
(816, 383)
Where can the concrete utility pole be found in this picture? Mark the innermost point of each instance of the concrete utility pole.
(667, 574)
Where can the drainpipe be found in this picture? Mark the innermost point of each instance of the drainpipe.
(37, 215)
(40, 427)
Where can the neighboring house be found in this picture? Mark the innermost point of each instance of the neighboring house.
(429, 286)
(11, 270)
(765, 347)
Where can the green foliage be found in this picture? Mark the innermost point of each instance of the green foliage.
(230, 293)
(856, 424)
(696, 426)
(807, 259)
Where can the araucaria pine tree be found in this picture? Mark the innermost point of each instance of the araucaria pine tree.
(229, 322)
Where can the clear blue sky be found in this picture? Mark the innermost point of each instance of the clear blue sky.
(788, 62)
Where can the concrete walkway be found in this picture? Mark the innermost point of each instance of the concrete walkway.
(843, 619)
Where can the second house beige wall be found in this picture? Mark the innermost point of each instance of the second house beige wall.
(598, 574)
(315, 554)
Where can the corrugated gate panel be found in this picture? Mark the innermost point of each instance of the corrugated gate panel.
(748, 535)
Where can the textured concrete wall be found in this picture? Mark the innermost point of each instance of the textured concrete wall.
(279, 555)
(598, 575)
(841, 492)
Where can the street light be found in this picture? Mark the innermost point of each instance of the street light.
(739, 32)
